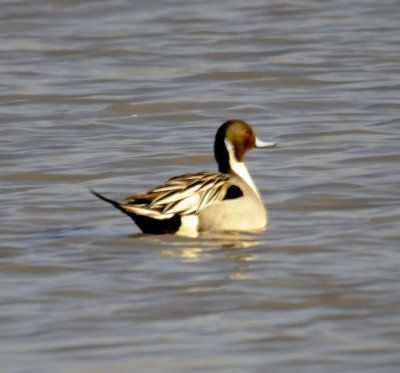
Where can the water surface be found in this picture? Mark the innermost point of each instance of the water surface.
(120, 96)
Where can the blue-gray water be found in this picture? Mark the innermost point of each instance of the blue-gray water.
(120, 96)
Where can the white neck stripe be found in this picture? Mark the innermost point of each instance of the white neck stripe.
(239, 168)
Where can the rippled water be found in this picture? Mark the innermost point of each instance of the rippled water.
(122, 95)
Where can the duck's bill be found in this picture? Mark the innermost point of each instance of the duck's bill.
(263, 144)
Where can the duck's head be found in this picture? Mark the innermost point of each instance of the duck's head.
(233, 139)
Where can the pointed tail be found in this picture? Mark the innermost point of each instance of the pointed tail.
(114, 203)
(142, 217)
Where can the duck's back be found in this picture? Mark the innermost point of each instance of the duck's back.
(186, 194)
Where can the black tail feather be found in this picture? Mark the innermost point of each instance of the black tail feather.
(146, 224)
(114, 203)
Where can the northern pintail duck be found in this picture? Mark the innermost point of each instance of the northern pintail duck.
(205, 201)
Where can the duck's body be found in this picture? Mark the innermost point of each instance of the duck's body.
(205, 201)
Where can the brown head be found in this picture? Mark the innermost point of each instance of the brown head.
(241, 138)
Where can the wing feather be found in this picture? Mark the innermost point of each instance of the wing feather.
(183, 195)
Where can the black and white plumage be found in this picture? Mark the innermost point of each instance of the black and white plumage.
(224, 200)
